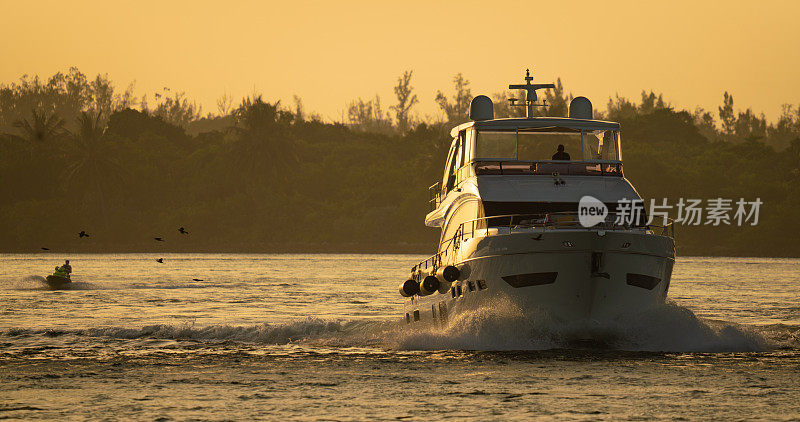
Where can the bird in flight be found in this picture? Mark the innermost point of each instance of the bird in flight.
(159, 239)
(160, 260)
(83, 234)
(182, 230)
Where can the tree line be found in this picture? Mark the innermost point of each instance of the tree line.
(79, 154)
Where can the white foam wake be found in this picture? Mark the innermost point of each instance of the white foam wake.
(504, 326)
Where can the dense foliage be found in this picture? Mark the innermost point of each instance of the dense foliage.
(75, 155)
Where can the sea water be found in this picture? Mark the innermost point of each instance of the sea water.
(320, 337)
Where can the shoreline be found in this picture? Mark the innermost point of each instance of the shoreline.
(306, 248)
(283, 248)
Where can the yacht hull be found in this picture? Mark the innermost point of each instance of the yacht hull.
(575, 277)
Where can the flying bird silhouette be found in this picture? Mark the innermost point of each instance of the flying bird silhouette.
(83, 234)
(159, 239)
(160, 260)
(182, 230)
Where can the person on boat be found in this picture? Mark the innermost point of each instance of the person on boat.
(560, 154)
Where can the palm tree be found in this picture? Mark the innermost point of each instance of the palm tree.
(38, 135)
(43, 127)
(90, 162)
(263, 142)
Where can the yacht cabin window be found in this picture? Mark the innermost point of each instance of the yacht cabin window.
(469, 146)
(459, 153)
(541, 144)
(455, 160)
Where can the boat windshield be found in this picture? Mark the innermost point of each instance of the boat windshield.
(539, 145)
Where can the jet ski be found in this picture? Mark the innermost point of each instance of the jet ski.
(59, 280)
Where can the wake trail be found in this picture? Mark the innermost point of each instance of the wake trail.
(30, 282)
(670, 328)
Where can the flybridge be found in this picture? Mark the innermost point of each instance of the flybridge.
(576, 145)
(543, 124)
(581, 116)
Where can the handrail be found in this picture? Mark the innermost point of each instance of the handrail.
(551, 161)
(434, 193)
(507, 167)
(547, 221)
(551, 221)
(531, 167)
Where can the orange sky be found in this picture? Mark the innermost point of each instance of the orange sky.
(331, 52)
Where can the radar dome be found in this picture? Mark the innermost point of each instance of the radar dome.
(481, 108)
(580, 108)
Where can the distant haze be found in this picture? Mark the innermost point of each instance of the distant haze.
(329, 53)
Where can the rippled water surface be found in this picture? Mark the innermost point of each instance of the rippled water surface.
(319, 337)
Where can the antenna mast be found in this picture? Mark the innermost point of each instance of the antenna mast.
(530, 94)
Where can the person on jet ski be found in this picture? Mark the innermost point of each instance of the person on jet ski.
(64, 270)
(66, 267)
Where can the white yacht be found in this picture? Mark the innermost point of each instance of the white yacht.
(508, 209)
